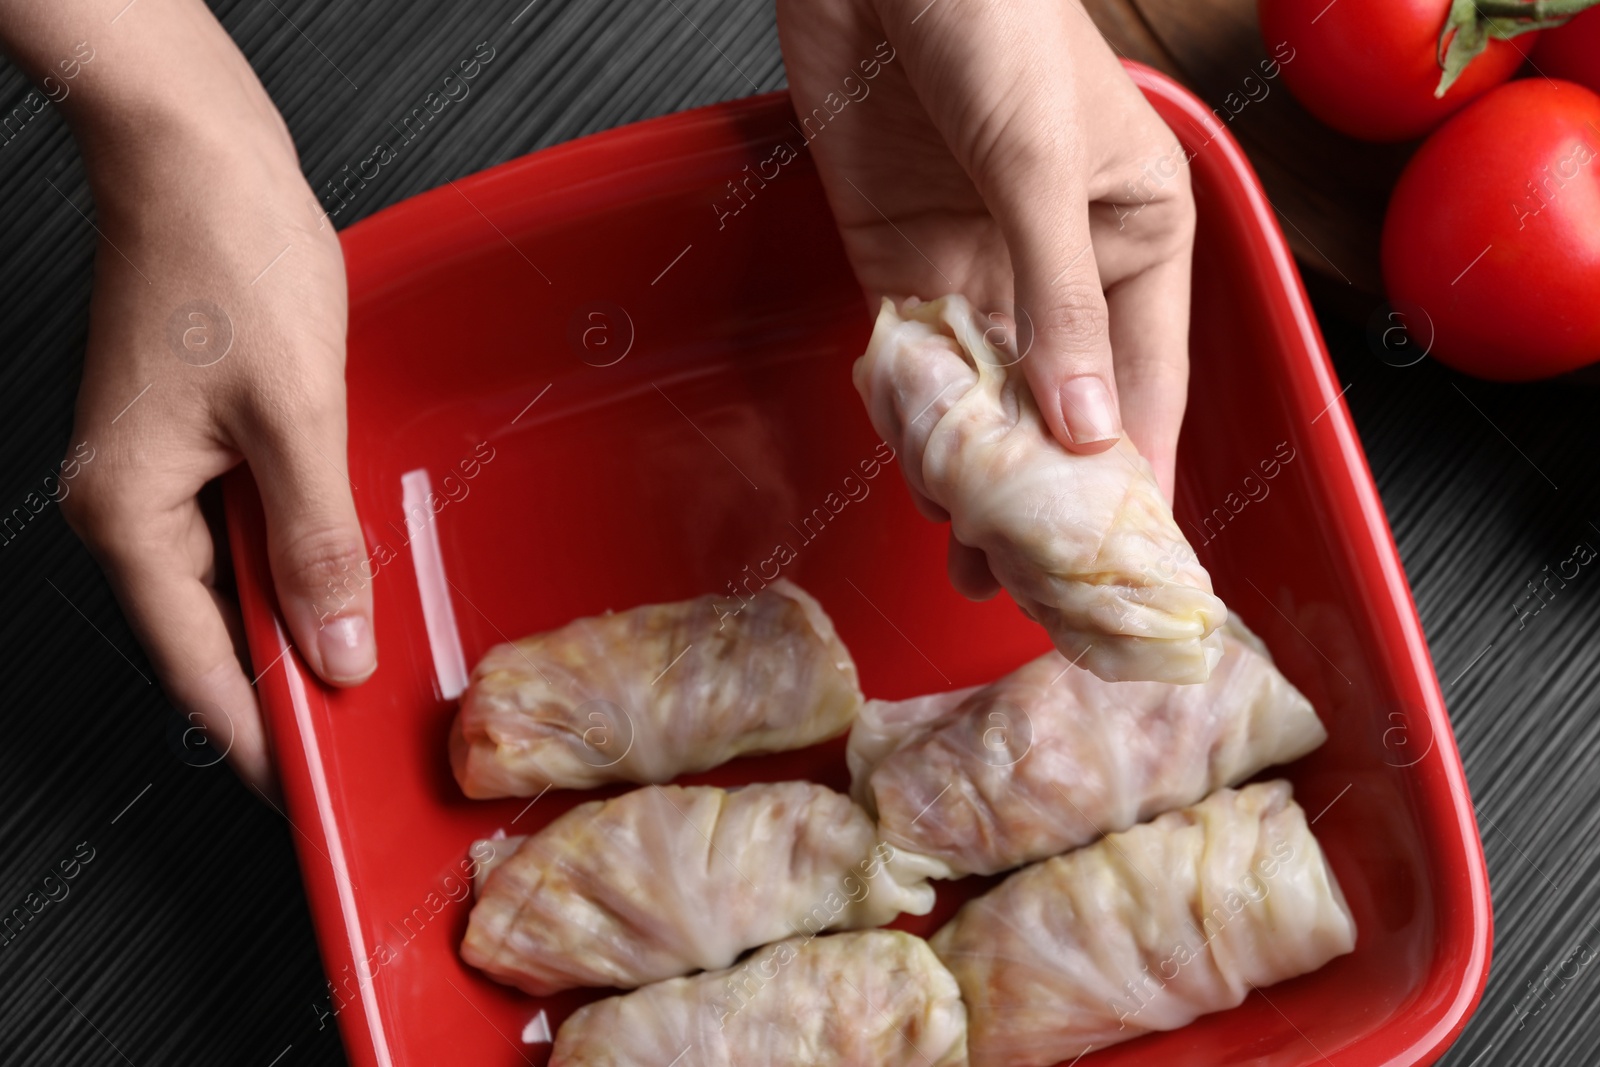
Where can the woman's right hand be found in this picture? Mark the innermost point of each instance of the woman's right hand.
(999, 150)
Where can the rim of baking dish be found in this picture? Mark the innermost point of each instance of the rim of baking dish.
(384, 248)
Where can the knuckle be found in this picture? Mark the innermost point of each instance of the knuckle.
(1182, 204)
(312, 559)
(1077, 320)
(1154, 195)
(80, 515)
(275, 410)
(299, 407)
(94, 511)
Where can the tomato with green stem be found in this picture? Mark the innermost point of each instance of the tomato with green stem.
(1392, 70)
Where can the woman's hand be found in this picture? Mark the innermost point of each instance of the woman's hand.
(999, 150)
(217, 332)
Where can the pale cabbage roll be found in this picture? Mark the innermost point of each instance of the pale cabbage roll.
(654, 692)
(1086, 545)
(1050, 757)
(874, 999)
(667, 880)
(1145, 930)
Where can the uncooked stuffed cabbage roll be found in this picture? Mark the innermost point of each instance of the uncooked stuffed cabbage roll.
(1086, 545)
(1050, 757)
(878, 998)
(667, 880)
(648, 694)
(1145, 930)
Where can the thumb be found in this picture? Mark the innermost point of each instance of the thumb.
(319, 559)
(1069, 364)
(1020, 132)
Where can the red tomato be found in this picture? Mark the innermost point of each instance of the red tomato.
(1572, 51)
(1368, 68)
(1494, 231)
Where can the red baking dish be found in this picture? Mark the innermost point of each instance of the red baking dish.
(619, 391)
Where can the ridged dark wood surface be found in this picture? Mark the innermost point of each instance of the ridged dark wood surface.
(186, 940)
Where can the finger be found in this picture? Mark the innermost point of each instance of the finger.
(159, 565)
(1150, 333)
(1068, 364)
(319, 559)
(242, 739)
(969, 571)
(1041, 202)
(1020, 133)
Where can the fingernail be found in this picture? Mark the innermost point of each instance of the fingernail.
(1087, 410)
(348, 654)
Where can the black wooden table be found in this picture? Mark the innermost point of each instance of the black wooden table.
(184, 937)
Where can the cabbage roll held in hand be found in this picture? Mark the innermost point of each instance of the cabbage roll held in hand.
(667, 880)
(1050, 757)
(648, 694)
(1085, 544)
(1146, 930)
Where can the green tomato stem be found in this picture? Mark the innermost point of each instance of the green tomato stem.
(1470, 25)
(1536, 9)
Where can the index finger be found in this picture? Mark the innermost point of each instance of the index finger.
(159, 565)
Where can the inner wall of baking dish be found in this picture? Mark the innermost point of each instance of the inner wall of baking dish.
(708, 422)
